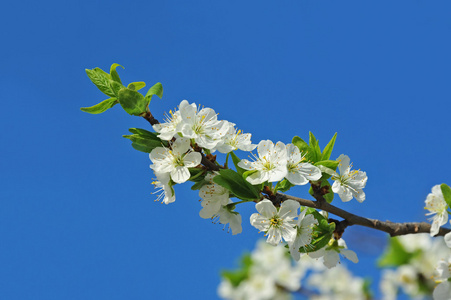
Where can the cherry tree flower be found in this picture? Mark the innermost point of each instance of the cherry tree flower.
(276, 223)
(436, 204)
(170, 127)
(270, 165)
(349, 183)
(164, 190)
(304, 230)
(234, 140)
(213, 197)
(232, 218)
(300, 172)
(443, 290)
(175, 161)
(330, 253)
(201, 125)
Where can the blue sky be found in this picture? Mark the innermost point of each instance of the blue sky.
(77, 220)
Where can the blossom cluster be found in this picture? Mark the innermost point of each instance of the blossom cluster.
(271, 274)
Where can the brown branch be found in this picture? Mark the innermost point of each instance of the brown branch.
(150, 118)
(394, 229)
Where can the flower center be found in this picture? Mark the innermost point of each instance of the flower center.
(275, 221)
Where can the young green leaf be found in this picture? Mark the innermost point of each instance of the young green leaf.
(236, 184)
(101, 107)
(156, 89)
(284, 186)
(322, 233)
(446, 190)
(394, 255)
(136, 86)
(143, 140)
(328, 149)
(132, 102)
(101, 81)
(331, 164)
(113, 73)
(303, 147)
(315, 154)
(236, 160)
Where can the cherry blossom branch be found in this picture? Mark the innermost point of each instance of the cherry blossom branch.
(394, 229)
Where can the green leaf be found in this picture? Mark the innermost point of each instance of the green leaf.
(331, 164)
(235, 277)
(136, 86)
(394, 255)
(116, 87)
(284, 186)
(101, 107)
(132, 102)
(236, 160)
(101, 80)
(113, 73)
(446, 190)
(315, 154)
(143, 140)
(196, 174)
(236, 184)
(199, 184)
(156, 89)
(328, 149)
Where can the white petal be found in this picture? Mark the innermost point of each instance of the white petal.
(448, 239)
(442, 291)
(274, 236)
(180, 174)
(257, 177)
(349, 254)
(331, 258)
(343, 163)
(265, 148)
(289, 208)
(192, 159)
(266, 208)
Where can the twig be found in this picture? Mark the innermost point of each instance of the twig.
(394, 229)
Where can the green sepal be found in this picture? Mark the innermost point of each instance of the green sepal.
(394, 255)
(132, 102)
(156, 89)
(196, 174)
(113, 73)
(328, 149)
(143, 140)
(237, 185)
(237, 276)
(329, 197)
(248, 173)
(236, 160)
(315, 153)
(283, 186)
(446, 191)
(101, 81)
(136, 86)
(101, 107)
(322, 233)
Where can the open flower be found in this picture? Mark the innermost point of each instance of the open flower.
(299, 172)
(437, 205)
(234, 140)
(349, 183)
(270, 165)
(170, 127)
(330, 253)
(164, 190)
(304, 230)
(213, 197)
(276, 223)
(175, 161)
(443, 290)
(201, 125)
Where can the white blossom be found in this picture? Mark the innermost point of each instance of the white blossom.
(213, 197)
(170, 127)
(349, 183)
(270, 165)
(201, 125)
(437, 206)
(304, 230)
(299, 172)
(175, 161)
(164, 190)
(330, 253)
(276, 223)
(234, 140)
